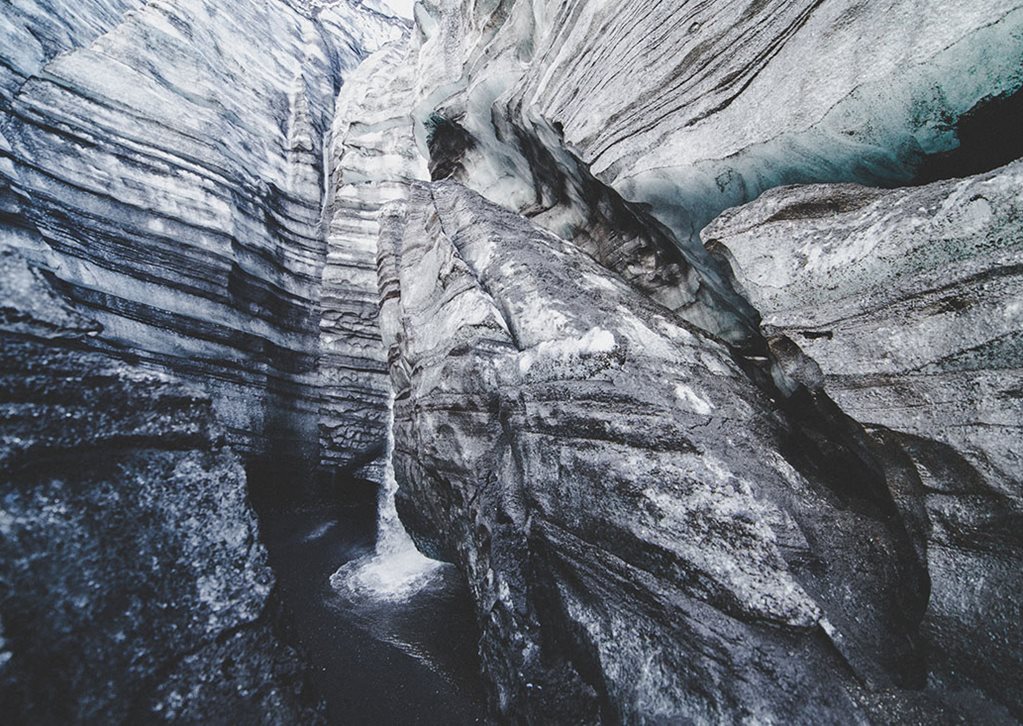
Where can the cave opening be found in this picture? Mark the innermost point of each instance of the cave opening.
(989, 138)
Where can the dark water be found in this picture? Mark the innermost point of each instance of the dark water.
(411, 662)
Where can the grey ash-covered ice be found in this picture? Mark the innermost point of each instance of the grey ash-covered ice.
(694, 329)
(132, 583)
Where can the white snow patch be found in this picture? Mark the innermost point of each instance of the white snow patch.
(696, 402)
(595, 341)
(598, 281)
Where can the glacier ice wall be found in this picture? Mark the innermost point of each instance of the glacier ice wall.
(910, 302)
(681, 110)
(625, 129)
(622, 436)
(162, 254)
(645, 533)
(132, 586)
(166, 162)
(371, 159)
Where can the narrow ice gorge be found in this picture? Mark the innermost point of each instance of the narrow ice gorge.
(674, 345)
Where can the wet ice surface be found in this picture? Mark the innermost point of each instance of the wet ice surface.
(392, 660)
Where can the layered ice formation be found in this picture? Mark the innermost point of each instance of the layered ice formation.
(700, 322)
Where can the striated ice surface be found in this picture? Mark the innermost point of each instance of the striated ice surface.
(165, 161)
(627, 127)
(606, 526)
(370, 160)
(769, 474)
(909, 302)
(130, 567)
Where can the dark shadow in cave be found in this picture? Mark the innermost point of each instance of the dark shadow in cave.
(990, 135)
(414, 662)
